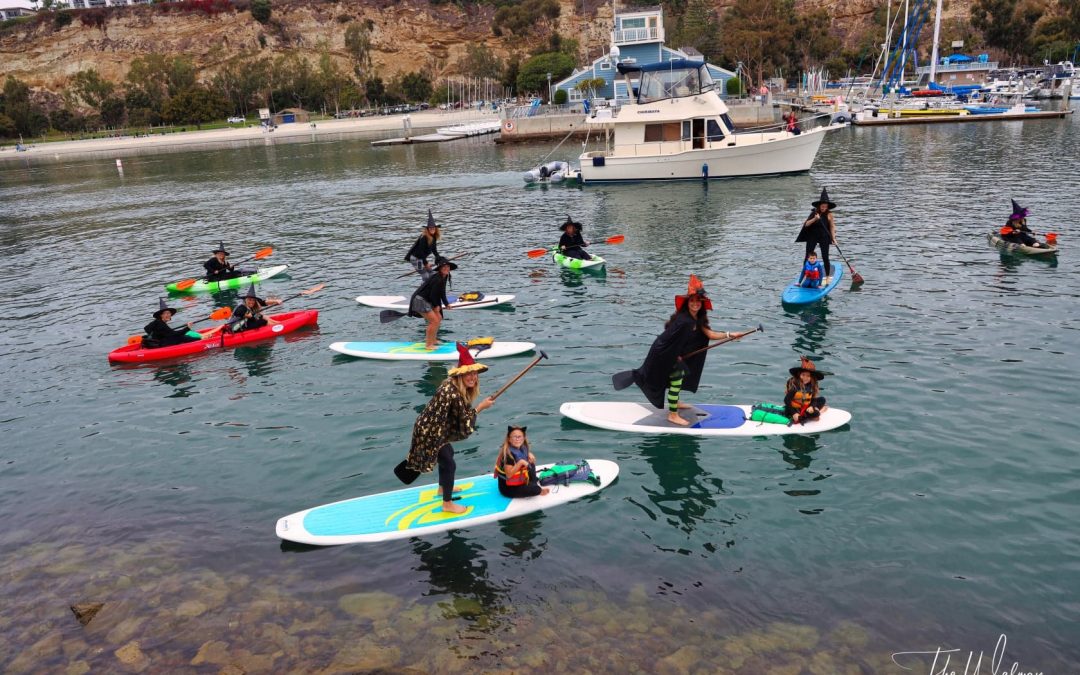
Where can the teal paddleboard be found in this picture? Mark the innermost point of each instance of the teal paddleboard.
(797, 295)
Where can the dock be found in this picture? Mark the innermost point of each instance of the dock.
(862, 120)
(441, 134)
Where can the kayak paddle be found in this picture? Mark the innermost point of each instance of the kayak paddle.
(217, 315)
(388, 315)
(407, 475)
(540, 252)
(259, 255)
(462, 255)
(310, 291)
(856, 278)
(626, 378)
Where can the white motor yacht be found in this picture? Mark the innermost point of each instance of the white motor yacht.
(678, 128)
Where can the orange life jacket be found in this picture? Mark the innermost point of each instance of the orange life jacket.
(514, 479)
(802, 399)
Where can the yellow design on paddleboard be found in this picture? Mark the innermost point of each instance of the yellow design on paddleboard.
(414, 348)
(428, 509)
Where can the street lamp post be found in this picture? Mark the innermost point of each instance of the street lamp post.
(549, 87)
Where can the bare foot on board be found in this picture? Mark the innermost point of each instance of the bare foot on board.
(453, 507)
(675, 419)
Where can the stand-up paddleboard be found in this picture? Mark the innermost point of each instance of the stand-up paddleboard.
(204, 286)
(797, 295)
(401, 302)
(595, 263)
(415, 351)
(417, 511)
(705, 420)
(1013, 247)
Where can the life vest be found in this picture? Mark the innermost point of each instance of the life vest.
(802, 399)
(1007, 230)
(514, 479)
(812, 271)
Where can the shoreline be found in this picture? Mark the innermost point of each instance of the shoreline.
(426, 119)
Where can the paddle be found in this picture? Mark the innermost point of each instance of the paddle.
(462, 255)
(856, 278)
(217, 315)
(259, 255)
(626, 378)
(540, 252)
(388, 315)
(408, 476)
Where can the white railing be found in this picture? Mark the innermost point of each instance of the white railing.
(974, 65)
(638, 35)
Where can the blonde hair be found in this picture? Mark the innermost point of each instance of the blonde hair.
(793, 383)
(467, 393)
(504, 451)
(430, 236)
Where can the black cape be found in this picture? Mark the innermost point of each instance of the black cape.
(433, 290)
(677, 339)
(816, 232)
(421, 249)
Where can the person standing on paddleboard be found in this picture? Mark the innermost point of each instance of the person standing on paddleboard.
(802, 400)
(664, 368)
(820, 230)
(426, 244)
(160, 334)
(428, 300)
(571, 243)
(515, 469)
(248, 315)
(448, 416)
(218, 267)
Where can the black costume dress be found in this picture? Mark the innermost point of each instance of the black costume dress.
(818, 234)
(219, 271)
(243, 318)
(420, 251)
(430, 294)
(679, 338)
(573, 246)
(160, 334)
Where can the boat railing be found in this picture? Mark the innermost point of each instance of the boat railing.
(543, 110)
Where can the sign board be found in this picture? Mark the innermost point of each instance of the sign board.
(264, 113)
(957, 44)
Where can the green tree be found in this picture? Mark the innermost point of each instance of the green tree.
(480, 61)
(560, 97)
(525, 17)
(812, 43)
(533, 73)
(333, 81)
(589, 86)
(1006, 24)
(23, 116)
(374, 90)
(510, 72)
(415, 86)
(91, 88)
(7, 127)
(113, 112)
(758, 33)
(358, 45)
(699, 28)
(195, 105)
(260, 10)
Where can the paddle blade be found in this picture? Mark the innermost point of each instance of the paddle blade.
(405, 474)
(134, 339)
(622, 380)
(537, 253)
(263, 253)
(221, 313)
(313, 289)
(856, 278)
(185, 284)
(388, 315)
(617, 239)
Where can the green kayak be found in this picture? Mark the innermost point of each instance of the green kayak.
(577, 263)
(203, 286)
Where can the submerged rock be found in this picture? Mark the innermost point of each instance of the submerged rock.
(132, 656)
(86, 611)
(371, 606)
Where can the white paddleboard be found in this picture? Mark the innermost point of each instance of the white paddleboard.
(415, 351)
(705, 420)
(401, 302)
(417, 511)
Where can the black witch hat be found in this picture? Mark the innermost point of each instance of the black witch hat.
(431, 219)
(220, 248)
(162, 307)
(824, 199)
(251, 294)
(570, 221)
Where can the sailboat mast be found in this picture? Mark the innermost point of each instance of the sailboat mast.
(934, 53)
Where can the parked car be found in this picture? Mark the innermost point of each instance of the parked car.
(236, 120)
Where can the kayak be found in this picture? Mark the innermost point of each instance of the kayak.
(288, 322)
(577, 263)
(204, 286)
(417, 511)
(401, 302)
(705, 420)
(415, 351)
(1019, 248)
(797, 295)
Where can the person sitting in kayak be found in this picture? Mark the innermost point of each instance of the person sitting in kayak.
(160, 334)
(802, 399)
(571, 244)
(664, 367)
(218, 268)
(812, 272)
(428, 300)
(426, 244)
(515, 469)
(1016, 230)
(248, 315)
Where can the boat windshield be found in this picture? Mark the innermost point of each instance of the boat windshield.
(658, 85)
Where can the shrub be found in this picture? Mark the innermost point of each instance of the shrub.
(560, 97)
(734, 87)
(62, 19)
(260, 10)
(93, 17)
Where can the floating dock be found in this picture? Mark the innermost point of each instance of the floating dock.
(444, 133)
(863, 120)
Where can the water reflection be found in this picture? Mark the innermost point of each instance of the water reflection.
(575, 278)
(434, 375)
(255, 358)
(175, 375)
(1011, 262)
(458, 569)
(687, 492)
(813, 324)
(520, 533)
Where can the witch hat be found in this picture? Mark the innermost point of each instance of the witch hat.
(808, 366)
(431, 220)
(251, 294)
(570, 221)
(824, 199)
(162, 307)
(466, 363)
(1018, 211)
(220, 248)
(694, 287)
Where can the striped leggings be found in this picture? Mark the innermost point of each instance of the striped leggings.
(674, 388)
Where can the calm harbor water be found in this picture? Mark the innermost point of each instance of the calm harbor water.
(943, 516)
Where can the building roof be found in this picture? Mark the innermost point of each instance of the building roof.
(17, 4)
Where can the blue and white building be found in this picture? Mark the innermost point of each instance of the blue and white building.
(638, 38)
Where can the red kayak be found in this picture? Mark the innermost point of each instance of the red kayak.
(287, 323)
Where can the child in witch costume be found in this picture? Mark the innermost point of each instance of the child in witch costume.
(571, 243)
(664, 368)
(218, 267)
(802, 400)
(448, 416)
(515, 469)
(428, 300)
(820, 230)
(1016, 230)
(426, 244)
(248, 314)
(160, 334)
(812, 272)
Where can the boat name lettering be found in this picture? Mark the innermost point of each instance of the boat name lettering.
(645, 112)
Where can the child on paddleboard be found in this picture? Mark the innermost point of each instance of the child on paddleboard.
(448, 416)
(426, 244)
(812, 272)
(571, 243)
(802, 399)
(515, 469)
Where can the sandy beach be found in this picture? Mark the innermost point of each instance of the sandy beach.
(427, 119)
